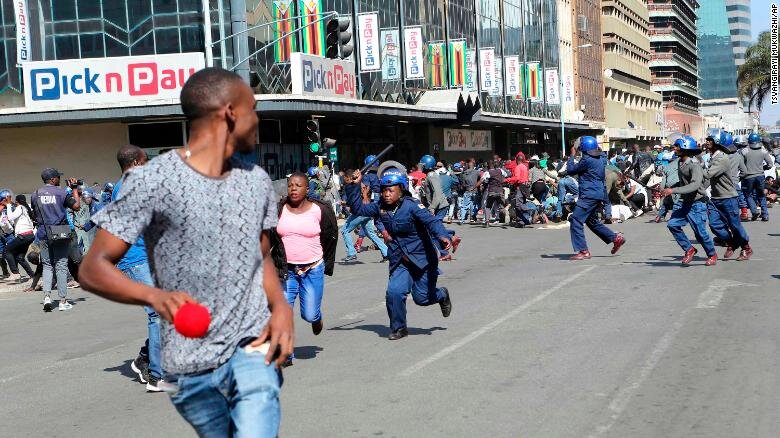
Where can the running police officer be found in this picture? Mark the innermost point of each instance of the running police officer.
(413, 255)
(592, 186)
(691, 208)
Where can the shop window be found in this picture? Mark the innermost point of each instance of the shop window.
(156, 135)
(63, 10)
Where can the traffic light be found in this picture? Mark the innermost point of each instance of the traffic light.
(338, 41)
(313, 135)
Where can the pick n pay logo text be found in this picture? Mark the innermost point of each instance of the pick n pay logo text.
(140, 79)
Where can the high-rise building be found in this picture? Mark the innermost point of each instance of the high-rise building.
(738, 13)
(633, 111)
(674, 63)
(588, 71)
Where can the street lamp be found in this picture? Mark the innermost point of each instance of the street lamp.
(560, 95)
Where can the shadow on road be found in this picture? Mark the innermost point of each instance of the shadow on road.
(776, 276)
(123, 369)
(383, 331)
(74, 301)
(307, 352)
(566, 256)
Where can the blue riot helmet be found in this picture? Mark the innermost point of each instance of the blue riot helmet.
(108, 187)
(370, 160)
(689, 144)
(457, 167)
(428, 162)
(313, 171)
(589, 145)
(754, 138)
(740, 141)
(727, 142)
(393, 177)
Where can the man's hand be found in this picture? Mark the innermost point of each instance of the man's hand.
(357, 176)
(386, 237)
(446, 242)
(167, 303)
(280, 333)
(666, 192)
(573, 151)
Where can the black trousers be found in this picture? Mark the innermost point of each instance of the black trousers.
(15, 252)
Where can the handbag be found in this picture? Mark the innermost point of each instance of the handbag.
(54, 233)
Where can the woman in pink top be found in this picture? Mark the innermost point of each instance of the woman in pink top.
(304, 248)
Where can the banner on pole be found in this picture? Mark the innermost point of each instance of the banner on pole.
(368, 35)
(498, 88)
(413, 52)
(471, 70)
(436, 59)
(533, 82)
(283, 11)
(568, 88)
(512, 74)
(391, 61)
(312, 31)
(553, 87)
(458, 63)
(23, 52)
(487, 69)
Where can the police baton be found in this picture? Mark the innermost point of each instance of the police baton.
(378, 157)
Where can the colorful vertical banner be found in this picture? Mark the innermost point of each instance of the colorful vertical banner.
(458, 63)
(413, 52)
(471, 70)
(391, 60)
(487, 69)
(283, 11)
(437, 71)
(22, 18)
(498, 87)
(368, 36)
(312, 31)
(533, 81)
(512, 75)
(552, 86)
(568, 88)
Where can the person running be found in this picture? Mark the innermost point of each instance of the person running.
(50, 204)
(304, 249)
(724, 219)
(691, 208)
(355, 221)
(756, 158)
(414, 261)
(432, 196)
(228, 381)
(592, 187)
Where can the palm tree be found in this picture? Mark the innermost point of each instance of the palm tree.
(754, 76)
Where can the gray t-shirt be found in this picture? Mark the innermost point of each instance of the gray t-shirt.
(203, 237)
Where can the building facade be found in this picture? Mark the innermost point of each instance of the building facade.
(588, 71)
(738, 13)
(455, 79)
(633, 110)
(674, 63)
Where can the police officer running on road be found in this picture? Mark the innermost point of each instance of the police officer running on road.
(592, 187)
(413, 255)
(691, 208)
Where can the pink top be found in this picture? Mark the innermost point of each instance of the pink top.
(300, 234)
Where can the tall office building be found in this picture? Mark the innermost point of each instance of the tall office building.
(674, 63)
(633, 111)
(738, 13)
(588, 71)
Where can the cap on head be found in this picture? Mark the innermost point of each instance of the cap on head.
(428, 162)
(50, 173)
(588, 145)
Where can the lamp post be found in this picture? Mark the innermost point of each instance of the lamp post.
(560, 95)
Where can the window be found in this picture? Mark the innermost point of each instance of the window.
(92, 45)
(87, 9)
(167, 40)
(67, 46)
(63, 9)
(156, 135)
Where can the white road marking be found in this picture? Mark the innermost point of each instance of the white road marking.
(624, 395)
(711, 297)
(360, 314)
(484, 329)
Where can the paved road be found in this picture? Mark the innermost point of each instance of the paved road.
(632, 345)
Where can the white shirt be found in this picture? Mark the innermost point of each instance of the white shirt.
(21, 220)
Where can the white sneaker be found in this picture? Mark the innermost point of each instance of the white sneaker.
(73, 284)
(64, 305)
(47, 306)
(14, 278)
(639, 213)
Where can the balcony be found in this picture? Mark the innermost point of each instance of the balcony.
(670, 59)
(672, 10)
(672, 35)
(661, 85)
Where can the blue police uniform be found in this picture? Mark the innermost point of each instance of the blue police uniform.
(591, 172)
(412, 253)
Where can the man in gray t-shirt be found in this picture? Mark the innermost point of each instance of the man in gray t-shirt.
(200, 251)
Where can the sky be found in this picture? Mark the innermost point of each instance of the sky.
(759, 21)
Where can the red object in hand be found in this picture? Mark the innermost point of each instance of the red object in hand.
(192, 320)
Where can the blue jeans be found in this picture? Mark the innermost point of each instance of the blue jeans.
(357, 221)
(466, 205)
(140, 273)
(741, 197)
(240, 398)
(308, 289)
(729, 214)
(585, 213)
(694, 214)
(566, 185)
(718, 225)
(753, 188)
(407, 277)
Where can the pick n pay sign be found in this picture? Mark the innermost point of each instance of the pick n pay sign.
(79, 83)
